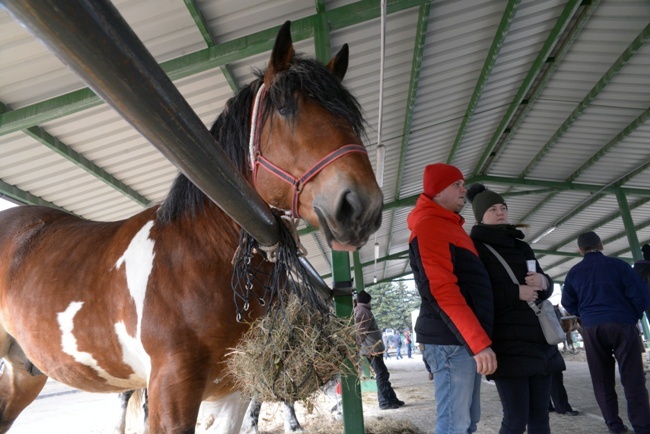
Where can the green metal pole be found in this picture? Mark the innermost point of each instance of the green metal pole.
(630, 231)
(350, 388)
(626, 215)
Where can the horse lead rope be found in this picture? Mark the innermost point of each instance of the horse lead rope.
(257, 159)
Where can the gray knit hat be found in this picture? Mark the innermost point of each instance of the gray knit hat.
(481, 199)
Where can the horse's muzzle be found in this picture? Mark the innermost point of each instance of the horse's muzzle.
(354, 218)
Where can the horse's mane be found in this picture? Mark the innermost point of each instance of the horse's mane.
(231, 129)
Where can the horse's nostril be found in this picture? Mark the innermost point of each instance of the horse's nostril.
(349, 207)
(377, 221)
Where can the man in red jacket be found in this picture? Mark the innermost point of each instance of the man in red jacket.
(456, 313)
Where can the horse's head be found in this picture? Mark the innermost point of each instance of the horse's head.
(306, 154)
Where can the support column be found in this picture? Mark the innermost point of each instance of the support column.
(351, 391)
(634, 245)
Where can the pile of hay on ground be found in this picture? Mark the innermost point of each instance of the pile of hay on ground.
(290, 353)
(391, 426)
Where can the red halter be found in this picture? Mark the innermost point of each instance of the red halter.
(258, 160)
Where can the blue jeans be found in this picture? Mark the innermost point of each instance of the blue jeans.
(457, 388)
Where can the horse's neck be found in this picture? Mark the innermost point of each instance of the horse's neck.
(194, 218)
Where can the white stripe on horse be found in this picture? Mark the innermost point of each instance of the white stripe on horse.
(69, 345)
(138, 262)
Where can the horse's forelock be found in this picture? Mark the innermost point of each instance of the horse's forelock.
(317, 83)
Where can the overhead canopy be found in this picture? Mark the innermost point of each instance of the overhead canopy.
(545, 102)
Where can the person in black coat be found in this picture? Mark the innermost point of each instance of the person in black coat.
(642, 268)
(525, 360)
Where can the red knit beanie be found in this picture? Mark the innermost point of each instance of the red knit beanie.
(439, 176)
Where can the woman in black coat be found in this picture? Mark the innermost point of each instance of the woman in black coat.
(525, 360)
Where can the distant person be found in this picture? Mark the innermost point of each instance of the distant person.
(559, 402)
(386, 340)
(408, 342)
(456, 311)
(398, 345)
(371, 346)
(424, 359)
(610, 299)
(642, 268)
(525, 360)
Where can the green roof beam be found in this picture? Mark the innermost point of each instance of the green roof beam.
(530, 192)
(203, 60)
(614, 186)
(629, 129)
(394, 257)
(202, 25)
(56, 145)
(54, 108)
(564, 185)
(605, 220)
(539, 63)
(322, 45)
(73, 156)
(18, 195)
(416, 67)
(493, 53)
(629, 52)
(630, 231)
(195, 12)
(554, 61)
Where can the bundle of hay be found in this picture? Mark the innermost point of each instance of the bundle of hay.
(290, 353)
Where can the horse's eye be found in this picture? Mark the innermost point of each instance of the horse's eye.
(284, 111)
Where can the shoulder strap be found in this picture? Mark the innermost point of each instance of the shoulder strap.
(532, 304)
(503, 262)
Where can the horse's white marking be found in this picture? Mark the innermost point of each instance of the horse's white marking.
(223, 416)
(69, 346)
(138, 262)
(133, 354)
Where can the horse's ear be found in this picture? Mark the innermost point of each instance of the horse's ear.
(339, 63)
(282, 54)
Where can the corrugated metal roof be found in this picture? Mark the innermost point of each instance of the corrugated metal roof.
(545, 101)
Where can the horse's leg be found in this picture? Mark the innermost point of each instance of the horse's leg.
(123, 397)
(225, 415)
(20, 381)
(330, 390)
(291, 423)
(129, 404)
(251, 419)
(145, 407)
(173, 404)
(569, 340)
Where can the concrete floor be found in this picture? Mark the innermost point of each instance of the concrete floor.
(61, 410)
(411, 383)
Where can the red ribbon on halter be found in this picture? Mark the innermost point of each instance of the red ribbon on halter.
(258, 160)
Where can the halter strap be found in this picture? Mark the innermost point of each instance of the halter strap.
(258, 160)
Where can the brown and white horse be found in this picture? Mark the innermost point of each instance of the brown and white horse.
(569, 323)
(147, 301)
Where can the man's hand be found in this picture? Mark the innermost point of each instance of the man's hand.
(486, 361)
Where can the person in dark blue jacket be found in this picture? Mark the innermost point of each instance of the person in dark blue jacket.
(609, 297)
(642, 268)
